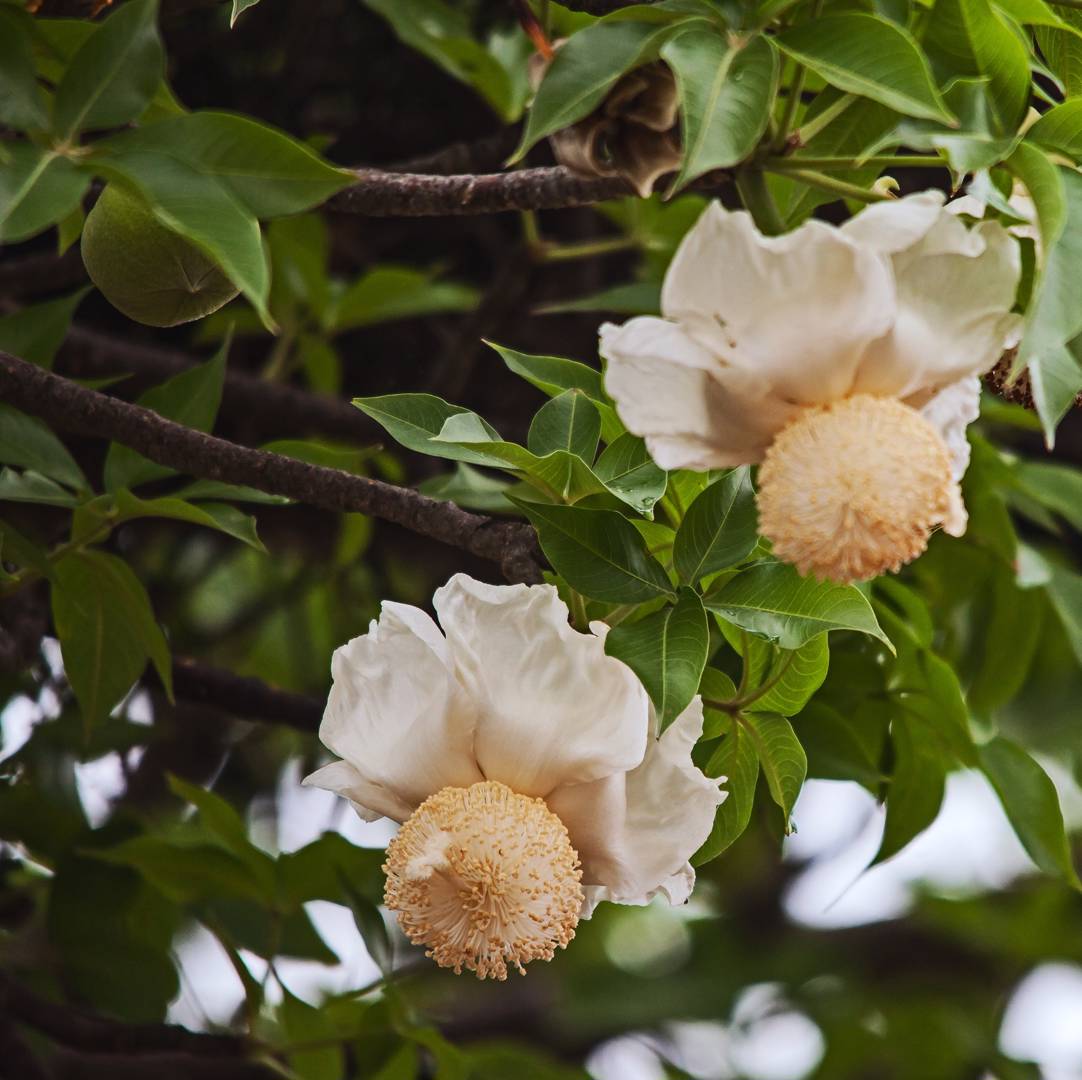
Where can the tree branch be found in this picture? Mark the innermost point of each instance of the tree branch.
(66, 405)
(244, 697)
(90, 353)
(380, 193)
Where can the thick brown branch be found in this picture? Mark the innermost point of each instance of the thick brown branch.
(68, 406)
(243, 697)
(285, 409)
(379, 193)
(80, 1029)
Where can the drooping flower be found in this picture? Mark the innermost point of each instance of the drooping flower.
(525, 766)
(846, 360)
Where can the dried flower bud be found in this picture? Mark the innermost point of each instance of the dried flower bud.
(633, 133)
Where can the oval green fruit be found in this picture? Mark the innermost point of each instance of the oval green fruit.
(150, 273)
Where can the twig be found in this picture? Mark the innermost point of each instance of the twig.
(380, 193)
(243, 697)
(89, 353)
(66, 405)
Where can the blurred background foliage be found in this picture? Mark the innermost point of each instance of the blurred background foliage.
(128, 887)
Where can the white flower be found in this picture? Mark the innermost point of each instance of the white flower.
(521, 758)
(761, 334)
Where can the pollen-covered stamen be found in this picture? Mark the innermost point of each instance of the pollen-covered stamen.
(854, 489)
(484, 878)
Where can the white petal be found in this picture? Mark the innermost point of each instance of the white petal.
(950, 412)
(552, 707)
(371, 801)
(893, 226)
(635, 834)
(796, 311)
(694, 410)
(953, 311)
(395, 712)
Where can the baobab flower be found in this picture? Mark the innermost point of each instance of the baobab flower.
(525, 767)
(845, 360)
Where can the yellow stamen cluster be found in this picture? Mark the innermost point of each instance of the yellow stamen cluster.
(484, 878)
(854, 489)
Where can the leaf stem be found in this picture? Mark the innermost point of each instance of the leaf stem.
(840, 188)
(578, 611)
(899, 161)
(810, 128)
(757, 200)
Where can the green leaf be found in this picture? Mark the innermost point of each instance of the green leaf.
(32, 487)
(22, 104)
(200, 208)
(1060, 129)
(267, 171)
(598, 552)
(635, 298)
(1030, 801)
(569, 422)
(1062, 51)
(585, 69)
(442, 33)
(27, 442)
(798, 673)
(191, 398)
(220, 516)
(870, 56)
(737, 759)
(414, 421)
(239, 7)
(21, 550)
(1055, 378)
(216, 489)
(553, 374)
(667, 651)
(773, 600)
(916, 785)
(35, 333)
(780, 755)
(106, 628)
(397, 292)
(719, 530)
(38, 188)
(727, 90)
(844, 744)
(114, 74)
(973, 38)
(628, 472)
(470, 489)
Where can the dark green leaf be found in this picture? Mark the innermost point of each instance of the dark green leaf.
(844, 744)
(397, 292)
(727, 89)
(191, 398)
(113, 75)
(220, 516)
(737, 759)
(27, 442)
(38, 188)
(239, 7)
(267, 171)
(628, 472)
(598, 552)
(107, 630)
(719, 530)
(773, 600)
(916, 786)
(585, 69)
(1030, 801)
(568, 422)
(780, 755)
(867, 55)
(470, 489)
(667, 650)
(798, 675)
(22, 104)
(35, 333)
(32, 487)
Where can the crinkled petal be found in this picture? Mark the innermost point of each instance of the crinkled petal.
(371, 801)
(635, 833)
(396, 713)
(552, 707)
(694, 410)
(891, 226)
(796, 311)
(954, 311)
(950, 412)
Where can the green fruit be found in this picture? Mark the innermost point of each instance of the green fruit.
(148, 272)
